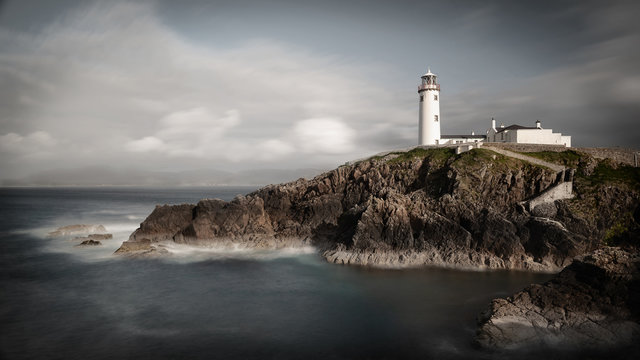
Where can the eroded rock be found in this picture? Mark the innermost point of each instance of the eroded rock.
(594, 302)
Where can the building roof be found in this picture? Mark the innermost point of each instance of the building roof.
(467, 136)
(516, 127)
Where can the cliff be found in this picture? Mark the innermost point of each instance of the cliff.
(592, 303)
(421, 207)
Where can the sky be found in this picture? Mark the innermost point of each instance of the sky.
(201, 87)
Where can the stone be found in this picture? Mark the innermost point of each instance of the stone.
(77, 229)
(594, 302)
(90, 242)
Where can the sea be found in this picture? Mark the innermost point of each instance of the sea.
(60, 301)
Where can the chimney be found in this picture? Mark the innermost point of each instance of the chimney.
(473, 132)
(538, 125)
(493, 123)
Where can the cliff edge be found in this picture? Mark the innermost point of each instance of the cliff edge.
(420, 207)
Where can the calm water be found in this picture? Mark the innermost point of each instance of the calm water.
(59, 301)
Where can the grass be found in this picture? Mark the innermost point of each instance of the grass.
(478, 157)
(440, 154)
(605, 173)
(569, 158)
(614, 234)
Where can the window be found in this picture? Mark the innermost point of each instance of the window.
(421, 98)
(436, 118)
(435, 97)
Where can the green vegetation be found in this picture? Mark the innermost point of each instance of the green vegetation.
(440, 155)
(614, 235)
(474, 156)
(480, 157)
(568, 158)
(606, 173)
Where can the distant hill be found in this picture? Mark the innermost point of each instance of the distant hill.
(104, 176)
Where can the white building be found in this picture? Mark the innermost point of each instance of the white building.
(526, 135)
(461, 139)
(429, 113)
(429, 124)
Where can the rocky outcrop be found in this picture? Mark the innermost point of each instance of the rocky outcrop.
(594, 302)
(77, 229)
(94, 237)
(422, 207)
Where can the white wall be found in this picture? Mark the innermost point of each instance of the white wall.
(541, 136)
(459, 141)
(429, 129)
(529, 136)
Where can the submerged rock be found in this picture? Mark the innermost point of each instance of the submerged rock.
(90, 242)
(77, 229)
(417, 208)
(594, 302)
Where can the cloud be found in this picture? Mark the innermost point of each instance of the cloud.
(324, 136)
(595, 98)
(146, 144)
(187, 133)
(274, 148)
(115, 84)
(29, 145)
(124, 83)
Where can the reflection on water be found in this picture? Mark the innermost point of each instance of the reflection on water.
(64, 302)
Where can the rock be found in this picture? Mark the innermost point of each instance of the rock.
(95, 237)
(137, 245)
(547, 210)
(143, 248)
(163, 223)
(77, 229)
(419, 208)
(594, 302)
(90, 242)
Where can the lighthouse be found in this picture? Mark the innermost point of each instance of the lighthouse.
(429, 113)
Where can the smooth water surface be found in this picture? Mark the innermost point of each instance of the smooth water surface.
(62, 301)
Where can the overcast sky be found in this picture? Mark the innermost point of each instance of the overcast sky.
(241, 85)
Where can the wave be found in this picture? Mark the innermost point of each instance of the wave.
(177, 252)
(189, 253)
(66, 244)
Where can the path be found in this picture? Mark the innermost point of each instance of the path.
(554, 167)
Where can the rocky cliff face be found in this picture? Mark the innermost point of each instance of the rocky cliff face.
(423, 207)
(594, 302)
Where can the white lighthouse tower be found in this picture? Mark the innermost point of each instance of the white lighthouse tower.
(429, 114)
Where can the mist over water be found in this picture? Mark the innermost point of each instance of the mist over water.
(61, 301)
